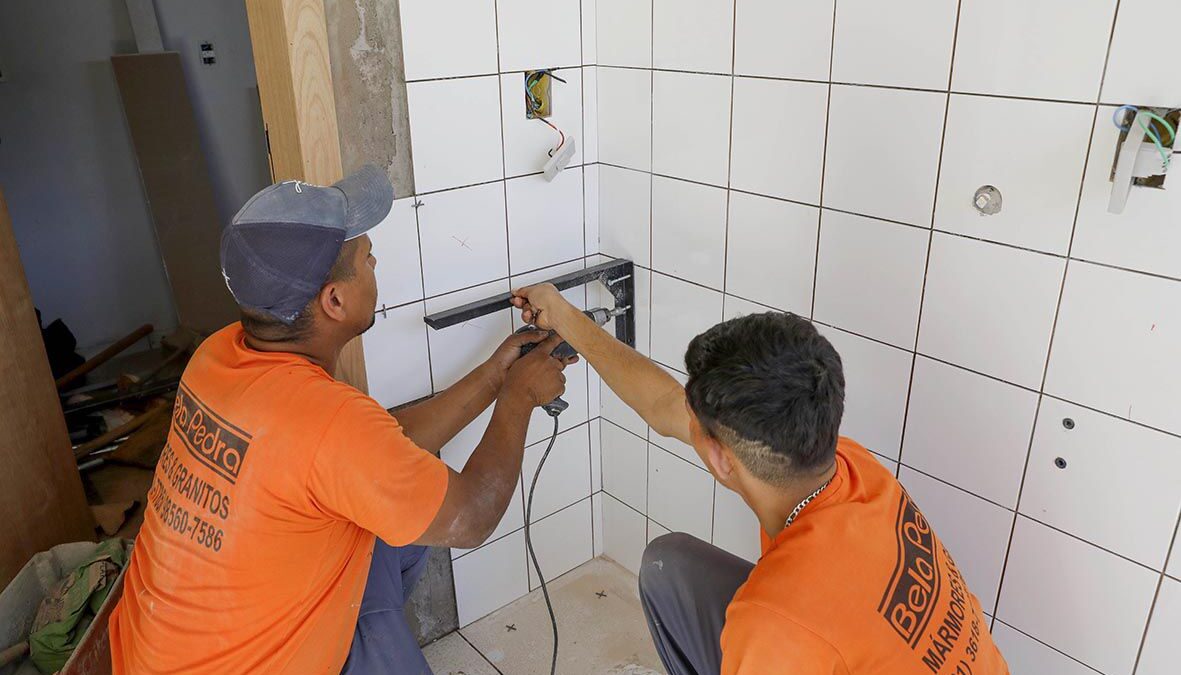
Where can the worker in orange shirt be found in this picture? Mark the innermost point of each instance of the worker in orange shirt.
(852, 578)
(289, 514)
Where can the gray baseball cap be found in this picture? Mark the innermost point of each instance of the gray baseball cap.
(278, 250)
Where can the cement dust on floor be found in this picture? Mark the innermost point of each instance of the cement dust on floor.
(600, 625)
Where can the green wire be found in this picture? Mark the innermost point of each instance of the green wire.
(1164, 154)
(1165, 123)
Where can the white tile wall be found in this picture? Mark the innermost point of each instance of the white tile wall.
(760, 224)
(545, 221)
(395, 245)
(625, 214)
(900, 44)
(1138, 69)
(999, 40)
(456, 130)
(689, 230)
(736, 528)
(435, 45)
(625, 466)
(694, 35)
(1161, 651)
(1101, 624)
(562, 541)
(1027, 656)
(490, 577)
(537, 34)
(691, 126)
(625, 117)
(455, 351)
(624, 533)
(396, 356)
(869, 276)
(565, 478)
(680, 311)
(624, 29)
(774, 120)
(783, 39)
(883, 152)
(680, 494)
(464, 238)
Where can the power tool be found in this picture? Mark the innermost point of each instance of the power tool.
(600, 315)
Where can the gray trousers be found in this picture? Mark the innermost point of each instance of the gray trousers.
(685, 587)
(383, 642)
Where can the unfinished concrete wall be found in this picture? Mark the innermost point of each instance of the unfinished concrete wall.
(369, 80)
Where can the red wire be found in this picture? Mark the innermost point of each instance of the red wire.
(560, 133)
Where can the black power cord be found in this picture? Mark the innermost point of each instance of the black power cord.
(553, 668)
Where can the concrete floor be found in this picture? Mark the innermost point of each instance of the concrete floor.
(600, 624)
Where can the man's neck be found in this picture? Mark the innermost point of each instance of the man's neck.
(323, 353)
(773, 504)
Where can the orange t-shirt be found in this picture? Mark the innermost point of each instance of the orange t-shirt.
(858, 584)
(261, 518)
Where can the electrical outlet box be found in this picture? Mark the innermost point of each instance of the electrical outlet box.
(538, 101)
(208, 56)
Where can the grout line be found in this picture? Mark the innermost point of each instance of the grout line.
(995, 621)
(1156, 597)
(473, 646)
(931, 237)
(430, 367)
(832, 45)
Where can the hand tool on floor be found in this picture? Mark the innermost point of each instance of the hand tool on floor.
(617, 276)
(104, 356)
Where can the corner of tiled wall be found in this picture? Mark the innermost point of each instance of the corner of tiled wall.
(758, 154)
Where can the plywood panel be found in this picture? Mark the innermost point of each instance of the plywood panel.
(41, 498)
(176, 181)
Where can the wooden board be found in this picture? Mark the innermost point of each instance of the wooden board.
(41, 498)
(289, 39)
(176, 182)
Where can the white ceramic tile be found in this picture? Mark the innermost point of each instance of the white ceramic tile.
(590, 31)
(1032, 151)
(969, 430)
(489, 578)
(589, 143)
(736, 528)
(597, 531)
(538, 34)
(625, 466)
(1084, 601)
(888, 174)
(783, 39)
(615, 410)
(565, 478)
(625, 117)
(1140, 67)
(998, 41)
(1144, 237)
(691, 126)
(778, 144)
(464, 238)
(624, 533)
(655, 530)
(680, 495)
(458, 349)
(590, 208)
(680, 312)
(1140, 502)
(1115, 347)
(528, 142)
(453, 655)
(396, 356)
(434, 44)
(1026, 656)
(869, 276)
(455, 130)
(990, 308)
(1161, 651)
(395, 245)
(562, 542)
(916, 34)
(877, 377)
(758, 225)
(975, 532)
(544, 220)
(689, 230)
(624, 29)
(594, 431)
(694, 35)
(625, 213)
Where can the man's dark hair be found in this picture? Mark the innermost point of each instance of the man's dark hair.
(266, 327)
(771, 388)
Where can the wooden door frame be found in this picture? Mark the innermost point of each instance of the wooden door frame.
(289, 39)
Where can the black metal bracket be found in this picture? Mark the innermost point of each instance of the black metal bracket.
(617, 276)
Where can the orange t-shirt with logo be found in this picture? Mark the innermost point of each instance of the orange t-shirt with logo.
(261, 518)
(859, 583)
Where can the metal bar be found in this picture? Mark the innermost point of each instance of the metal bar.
(616, 275)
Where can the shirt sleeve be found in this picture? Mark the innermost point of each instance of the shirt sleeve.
(757, 640)
(369, 472)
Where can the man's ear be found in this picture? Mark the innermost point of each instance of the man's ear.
(720, 458)
(332, 302)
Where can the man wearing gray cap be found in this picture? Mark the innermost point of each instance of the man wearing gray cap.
(289, 514)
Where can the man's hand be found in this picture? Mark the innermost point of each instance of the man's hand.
(537, 377)
(541, 305)
(510, 350)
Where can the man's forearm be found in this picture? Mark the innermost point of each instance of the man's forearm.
(491, 473)
(641, 384)
(435, 421)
